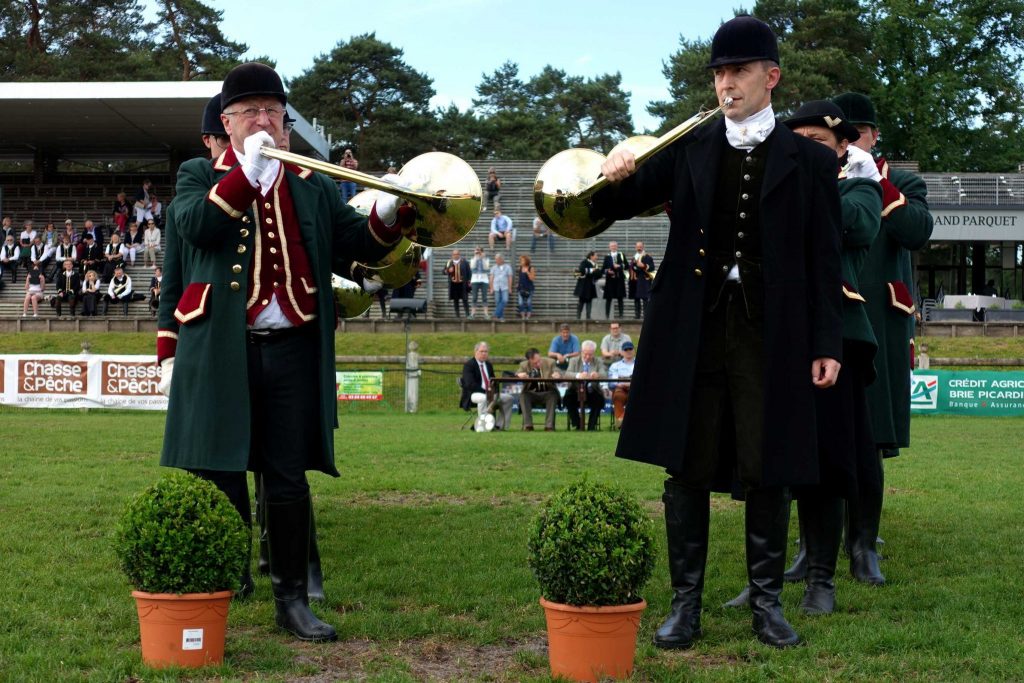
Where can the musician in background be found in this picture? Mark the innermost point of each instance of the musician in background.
(641, 277)
(459, 277)
(536, 366)
(586, 291)
(615, 275)
(621, 369)
(585, 366)
(477, 373)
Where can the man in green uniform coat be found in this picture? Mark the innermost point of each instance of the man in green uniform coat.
(906, 226)
(251, 346)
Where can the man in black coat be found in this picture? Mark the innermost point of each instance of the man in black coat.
(457, 271)
(477, 374)
(615, 274)
(69, 285)
(745, 321)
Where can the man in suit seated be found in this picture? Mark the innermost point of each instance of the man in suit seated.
(585, 366)
(477, 374)
(536, 365)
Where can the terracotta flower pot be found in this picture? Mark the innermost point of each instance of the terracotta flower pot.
(182, 630)
(592, 643)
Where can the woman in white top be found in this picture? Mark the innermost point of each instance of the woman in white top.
(151, 241)
(480, 271)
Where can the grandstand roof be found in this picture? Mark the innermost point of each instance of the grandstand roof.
(134, 119)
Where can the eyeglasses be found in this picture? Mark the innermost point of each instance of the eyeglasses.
(250, 113)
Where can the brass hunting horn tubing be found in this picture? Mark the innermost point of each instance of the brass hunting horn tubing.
(567, 181)
(443, 189)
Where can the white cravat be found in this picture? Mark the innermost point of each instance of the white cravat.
(751, 131)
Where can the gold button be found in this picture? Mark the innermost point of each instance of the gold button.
(746, 176)
(236, 268)
(273, 250)
(241, 248)
(739, 254)
(268, 206)
(265, 302)
(700, 252)
(702, 231)
(245, 219)
(698, 272)
(270, 234)
(235, 286)
(277, 284)
(745, 196)
(743, 214)
(725, 269)
(277, 267)
(748, 160)
(244, 232)
(740, 235)
(270, 221)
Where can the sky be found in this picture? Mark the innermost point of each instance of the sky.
(455, 42)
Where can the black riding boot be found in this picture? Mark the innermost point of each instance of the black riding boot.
(687, 512)
(288, 537)
(862, 519)
(767, 522)
(798, 570)
(315, 587)
(579, 309)
(822, 524)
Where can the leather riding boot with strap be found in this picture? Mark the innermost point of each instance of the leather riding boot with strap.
(687, 513)
(822, 522)
(288, 540)
(767, 525)
(315, 576)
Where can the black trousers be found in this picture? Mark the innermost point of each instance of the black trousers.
(727, 405)
(284, 398)
(595, 404)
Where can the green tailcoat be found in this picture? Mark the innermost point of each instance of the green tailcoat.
(861, 201)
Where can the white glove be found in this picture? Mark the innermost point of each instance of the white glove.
(261, 171)
(387, 204)
(861, 165)
(166, 369)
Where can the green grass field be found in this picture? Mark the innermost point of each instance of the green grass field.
(423, 544)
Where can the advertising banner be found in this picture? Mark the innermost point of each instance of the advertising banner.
(81, 381)
(955, 392)
(360, 386)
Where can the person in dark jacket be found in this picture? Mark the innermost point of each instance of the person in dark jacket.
(585, 291)
(477, 373)
(744, 326)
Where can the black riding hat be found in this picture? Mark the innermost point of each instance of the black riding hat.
(212, 124)
(825, 114)
(743, 39)
(251, 80)
(858, 108)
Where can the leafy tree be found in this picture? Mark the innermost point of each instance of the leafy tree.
(370, 98)
(192, 40)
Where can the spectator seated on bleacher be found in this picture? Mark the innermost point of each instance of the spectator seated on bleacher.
(585, 366)
(68, 284)
(89, 228)
(113, 256)
(6, 228)
(157, 211)
(28, 235)
(133, 243)
(90, 256)
(41, 256)
(501, 228)
(477, 374)
(154, 290)
(65, 250)
(493, 189)
(92, 290)
(122, 209)
(50, 236)
(35, 290)
(120, 291)
(10, 254)
(143, 202)
(151, 243)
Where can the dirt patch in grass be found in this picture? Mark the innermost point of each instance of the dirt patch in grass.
(426, 659)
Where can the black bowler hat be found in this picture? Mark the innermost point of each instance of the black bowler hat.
(825, 114)
(858, 108)
(743, 39)
(212, 124)
(251, 80)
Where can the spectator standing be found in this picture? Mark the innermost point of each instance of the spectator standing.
(457, 271)
(527, 285)
(621, 369)
(615, 275)
(68, 284)
(133, 242)
(477, 373)
(586, 289)
(537, 366)
(541, 232)
(564, 347)
(91, 292)
(612, 343)
(641, 278)
(493, 188)
(585, 366)
(151, 244)
(122, 209)
(501, 285)
(479, 268)
(501, 228)
(35, 286)
(347, 187)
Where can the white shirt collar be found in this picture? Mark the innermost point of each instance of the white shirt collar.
(751, 131)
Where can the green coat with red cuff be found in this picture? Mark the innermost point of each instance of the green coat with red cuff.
(861, 201)
(906, 226)
(211, 240)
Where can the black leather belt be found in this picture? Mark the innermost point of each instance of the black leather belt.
(272, 335)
